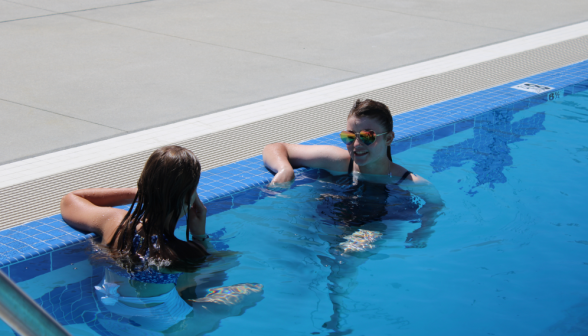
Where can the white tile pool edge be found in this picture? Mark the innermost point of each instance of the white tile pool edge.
(81, 156)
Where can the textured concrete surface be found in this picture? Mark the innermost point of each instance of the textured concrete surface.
(76, 71)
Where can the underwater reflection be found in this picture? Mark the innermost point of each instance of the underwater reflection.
(489, 149)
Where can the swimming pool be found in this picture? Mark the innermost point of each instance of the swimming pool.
(506, 256)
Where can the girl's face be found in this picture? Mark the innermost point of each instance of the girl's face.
(374, 153)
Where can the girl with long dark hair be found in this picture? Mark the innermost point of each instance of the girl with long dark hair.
(150, 261)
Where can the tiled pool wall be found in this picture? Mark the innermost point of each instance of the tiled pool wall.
(32, 249)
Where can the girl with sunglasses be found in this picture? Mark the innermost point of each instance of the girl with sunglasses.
(368, 137)
(377, 180)
(150, 264)
(368, 159)
(363, 196)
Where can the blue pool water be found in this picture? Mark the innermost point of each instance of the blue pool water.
(508, 254)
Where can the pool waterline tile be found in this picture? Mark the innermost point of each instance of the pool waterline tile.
(52, 238)
(443, 132)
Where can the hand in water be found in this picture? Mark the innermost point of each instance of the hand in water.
(197, 217)
(283, 179)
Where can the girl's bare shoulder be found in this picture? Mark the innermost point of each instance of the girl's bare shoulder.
(398, 170)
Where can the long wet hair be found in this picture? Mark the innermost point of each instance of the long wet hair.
(168, 180)
(375, 110)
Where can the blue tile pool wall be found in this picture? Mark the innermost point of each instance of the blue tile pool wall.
(76, 303)
(65, 256)
(32, 249)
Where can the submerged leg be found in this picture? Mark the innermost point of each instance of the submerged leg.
(220, 303)
(349, 251)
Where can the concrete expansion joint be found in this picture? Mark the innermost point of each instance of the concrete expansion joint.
(64, 115)
(423, 16)
(54, 13)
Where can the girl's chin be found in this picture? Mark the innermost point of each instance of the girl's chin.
(361, 159)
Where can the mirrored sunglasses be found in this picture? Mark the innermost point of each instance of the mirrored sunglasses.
(366, 136)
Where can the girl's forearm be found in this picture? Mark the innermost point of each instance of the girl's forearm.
(275, 157)
(107, 196)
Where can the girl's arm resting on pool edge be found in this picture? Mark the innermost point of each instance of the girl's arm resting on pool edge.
(90, 210)
(282, 158)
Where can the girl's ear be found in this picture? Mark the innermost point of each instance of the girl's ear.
(389, 138)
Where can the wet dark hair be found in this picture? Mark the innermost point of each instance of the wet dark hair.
(169, 178)
(375, 110)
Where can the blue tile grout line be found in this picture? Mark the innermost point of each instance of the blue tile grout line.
(52, 235)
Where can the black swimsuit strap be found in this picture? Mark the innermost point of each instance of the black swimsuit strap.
(404, 176)
(350, 169)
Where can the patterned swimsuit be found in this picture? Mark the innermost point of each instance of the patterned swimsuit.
(150, 275)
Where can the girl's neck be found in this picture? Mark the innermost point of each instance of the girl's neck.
(380, 167)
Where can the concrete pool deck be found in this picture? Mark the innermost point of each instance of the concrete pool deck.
(75, 72)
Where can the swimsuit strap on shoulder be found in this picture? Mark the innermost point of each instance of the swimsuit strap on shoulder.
(404, 176)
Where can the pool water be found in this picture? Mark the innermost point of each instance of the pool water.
(508, 254)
